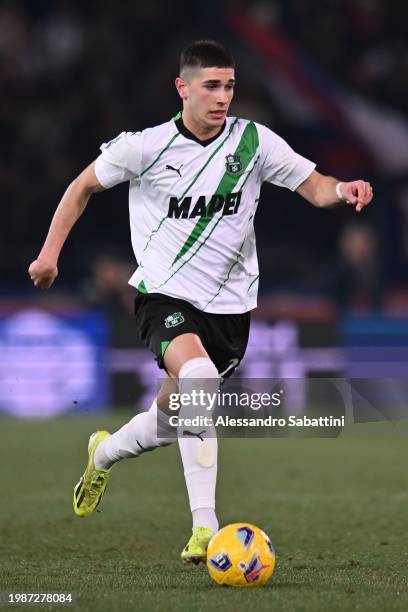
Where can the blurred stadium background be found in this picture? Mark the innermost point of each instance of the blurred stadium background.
(330, 77)
(327, 75)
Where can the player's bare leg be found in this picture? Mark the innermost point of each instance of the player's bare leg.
(187, 359)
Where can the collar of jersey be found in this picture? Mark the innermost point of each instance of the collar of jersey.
(178, 120)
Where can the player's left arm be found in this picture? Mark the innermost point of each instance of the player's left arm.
(327, 192)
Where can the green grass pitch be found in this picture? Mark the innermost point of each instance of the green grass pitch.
(336, 511)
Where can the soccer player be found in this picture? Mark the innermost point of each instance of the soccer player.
(194, 186)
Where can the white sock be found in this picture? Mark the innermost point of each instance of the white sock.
(200, 481)
(136, 437)
(199, 454)
(205, 517)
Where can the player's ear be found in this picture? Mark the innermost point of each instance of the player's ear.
(181, 87)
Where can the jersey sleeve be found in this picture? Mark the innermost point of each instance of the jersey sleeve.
(280, 164)
(120, 159)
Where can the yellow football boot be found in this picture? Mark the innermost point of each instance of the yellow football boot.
(89, 490)
(195, 550)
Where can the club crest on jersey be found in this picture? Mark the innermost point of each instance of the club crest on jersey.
(233, 164)
(174, 319)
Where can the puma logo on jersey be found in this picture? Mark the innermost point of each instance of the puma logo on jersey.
(168, 167)
(187, 209)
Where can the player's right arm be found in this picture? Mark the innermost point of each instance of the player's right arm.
(43, 271)
(120, 160)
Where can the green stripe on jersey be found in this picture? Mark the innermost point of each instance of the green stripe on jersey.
(246, 149)
(193, 181)
(168, 145)
(228, 275)
(255, 279)
(224, 282)
(218, 220)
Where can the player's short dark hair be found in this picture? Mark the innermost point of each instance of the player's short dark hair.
(205, 54)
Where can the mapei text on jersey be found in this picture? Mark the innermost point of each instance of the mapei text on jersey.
(204, 206)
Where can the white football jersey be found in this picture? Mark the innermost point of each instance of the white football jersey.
(192, 205)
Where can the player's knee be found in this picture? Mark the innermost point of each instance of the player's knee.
(199, 382)
(198, 374)
(199, 368)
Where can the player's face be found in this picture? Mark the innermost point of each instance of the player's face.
(207, 96)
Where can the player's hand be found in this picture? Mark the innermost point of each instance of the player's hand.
(358, 193)
(42, 273)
